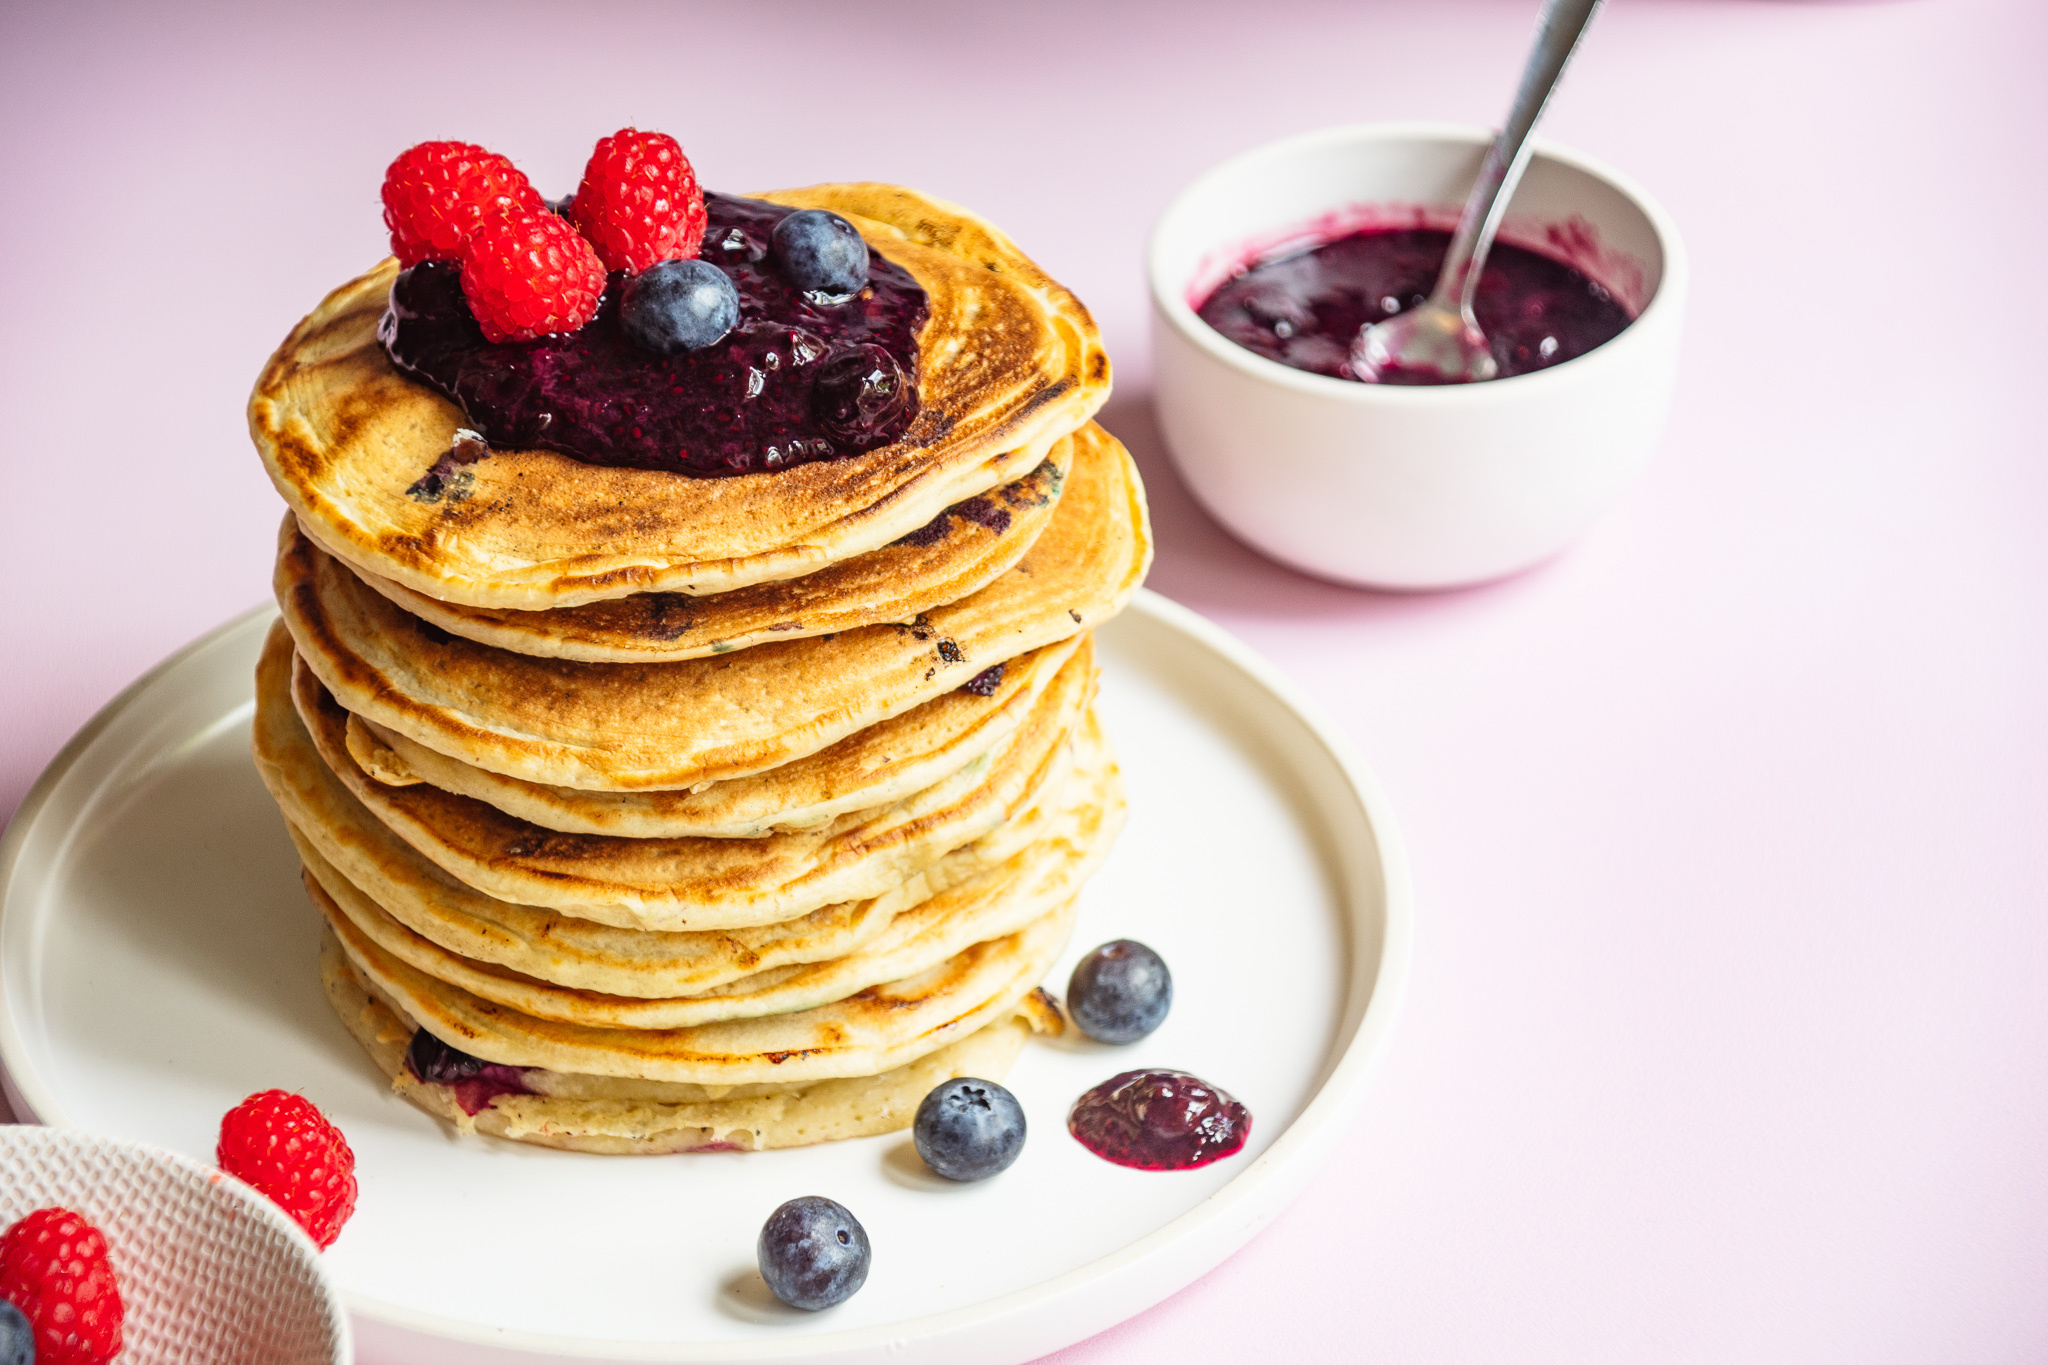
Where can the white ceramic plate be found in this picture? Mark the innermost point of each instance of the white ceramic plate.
(157, 964)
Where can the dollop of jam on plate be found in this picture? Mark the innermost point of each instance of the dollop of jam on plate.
(1159, 1121)
(801, 377)
(1306, 309)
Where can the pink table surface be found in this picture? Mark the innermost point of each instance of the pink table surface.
(1726, 1036)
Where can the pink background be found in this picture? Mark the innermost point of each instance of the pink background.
(1727, 1037)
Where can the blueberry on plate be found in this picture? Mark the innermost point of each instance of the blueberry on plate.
(17, 1338)
(969, 1129)
(1120, 992)
(813, 1253)
(677, 306)
(820, 253)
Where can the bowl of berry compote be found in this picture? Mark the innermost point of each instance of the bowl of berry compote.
(1264, 270)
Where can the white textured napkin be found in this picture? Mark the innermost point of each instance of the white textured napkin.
(212, 1273)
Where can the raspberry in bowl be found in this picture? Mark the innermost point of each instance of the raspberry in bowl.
(113, 1244)
(1394, 486)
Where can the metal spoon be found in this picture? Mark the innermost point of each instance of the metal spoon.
(1439, 341)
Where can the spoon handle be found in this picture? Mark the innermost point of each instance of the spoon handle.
(1558, 32)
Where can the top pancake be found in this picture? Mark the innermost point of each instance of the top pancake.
(1009, 362)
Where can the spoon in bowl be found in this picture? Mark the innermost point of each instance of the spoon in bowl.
(1439, 341)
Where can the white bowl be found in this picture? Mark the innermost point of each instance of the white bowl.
(210, 1271)
(1409, 488)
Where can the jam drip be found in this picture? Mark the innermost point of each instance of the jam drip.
(1305, 310)
(1159, 1121)
(474, 1081)
(801, 378)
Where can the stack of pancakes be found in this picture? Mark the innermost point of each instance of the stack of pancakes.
(701, 813)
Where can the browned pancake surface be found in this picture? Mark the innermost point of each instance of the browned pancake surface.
(958, 554)
(695, 883)
(876, 1029)
(630, 727)
(611, 1116)
(873, 767)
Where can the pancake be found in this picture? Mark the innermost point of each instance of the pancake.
(1000, 901)
(959, 553)
(672, 884)
(335, 833)
(614, 1124)
(873, 767)
(1009, 362)
(598, 957)
(879, 1029)
(631, 727)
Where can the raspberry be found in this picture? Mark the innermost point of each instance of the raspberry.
(437, 192)
(639, 203)
(284, 1146)
(530, 274)
(54, 1268)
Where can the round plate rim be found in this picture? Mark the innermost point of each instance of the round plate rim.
(1253, 1196)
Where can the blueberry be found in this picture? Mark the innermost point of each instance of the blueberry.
(969, 1129)
(1120, 992)
(17, 1338)
(813, 1253)
(677, 306)
(438, 1063)
(820, 253)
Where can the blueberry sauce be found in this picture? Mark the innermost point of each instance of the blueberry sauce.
(801, 378)
(1159, 1121)
(984, 683)
(1305, 310)
(474, 1081)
